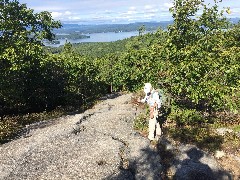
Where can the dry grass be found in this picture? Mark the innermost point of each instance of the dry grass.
(11, 125)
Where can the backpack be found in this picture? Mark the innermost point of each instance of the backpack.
(165, 98)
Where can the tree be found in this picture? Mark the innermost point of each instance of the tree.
(19, 23)
(202, 66)
(141, 30)
(21, 54)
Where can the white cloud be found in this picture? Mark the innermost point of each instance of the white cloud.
(56, 15)
(148, 7)
(64, 15)
(108, 12)
(74, 18)
(132, 8)
(149, 16)
(129, 13)
(168, 5)
(67, 13)
(132, 20)
(44, 8)
(114, 10)
(235, 11)
(98, 17)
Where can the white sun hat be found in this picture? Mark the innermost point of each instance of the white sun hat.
(147, 88)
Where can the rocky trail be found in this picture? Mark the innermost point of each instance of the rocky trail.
(97, 144)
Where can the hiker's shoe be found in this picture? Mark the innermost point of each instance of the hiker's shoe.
(153, 144)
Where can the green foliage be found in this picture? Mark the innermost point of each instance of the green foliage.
(196, 60)
(10, 126)
(7, 127)
(184, 117)
(141, 123)
(141, 30)
(236, 128)
(21, 55)
(82, 83)
(20, 25)
(94, 49)
(202, 65)
(202, 137)
(140, 64)
(73, 35)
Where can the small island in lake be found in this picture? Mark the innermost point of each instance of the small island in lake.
(72, 36)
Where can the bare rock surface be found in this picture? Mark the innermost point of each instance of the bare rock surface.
(100, 144)
(97, 144)
(191, 163)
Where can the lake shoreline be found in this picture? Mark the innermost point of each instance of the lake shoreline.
(97, 37)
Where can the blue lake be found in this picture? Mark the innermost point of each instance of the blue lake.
(99, 37)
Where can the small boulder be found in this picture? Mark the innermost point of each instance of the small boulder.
(219, 154)
(223, 131)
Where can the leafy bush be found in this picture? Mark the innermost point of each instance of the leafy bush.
(184, 117)
(202, 65)
(202, 137)
(7, 128)
(141, 123)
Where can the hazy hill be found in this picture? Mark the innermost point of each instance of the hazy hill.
(88, 29)
(234, 20)
(85, 29)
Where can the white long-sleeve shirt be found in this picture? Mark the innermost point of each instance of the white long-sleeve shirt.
(152, 99)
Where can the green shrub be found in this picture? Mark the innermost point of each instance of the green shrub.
(184, 117)
(7, 128)
(141, 123)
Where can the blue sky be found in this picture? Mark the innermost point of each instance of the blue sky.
(114, 11)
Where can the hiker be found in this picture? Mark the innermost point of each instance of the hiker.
(154, 102)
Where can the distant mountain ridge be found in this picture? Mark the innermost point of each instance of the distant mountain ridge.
(234, 20)
(104, 28)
